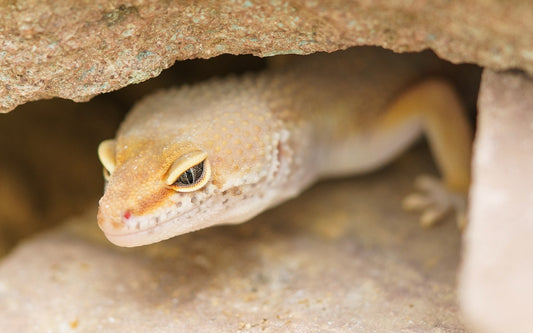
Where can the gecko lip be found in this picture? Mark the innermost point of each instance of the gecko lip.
(142, 237)
(145, 236)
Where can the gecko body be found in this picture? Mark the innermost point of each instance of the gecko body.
(223, 151)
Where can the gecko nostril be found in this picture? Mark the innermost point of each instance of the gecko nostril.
(127, 215)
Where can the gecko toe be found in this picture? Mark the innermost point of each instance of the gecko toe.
(434, 201)
(432, 216)
(415, 202)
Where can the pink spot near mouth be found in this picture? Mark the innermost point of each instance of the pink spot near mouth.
(127, 215)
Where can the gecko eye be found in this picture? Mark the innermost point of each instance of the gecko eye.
(106, 154)
(189, 172)
(191, 176)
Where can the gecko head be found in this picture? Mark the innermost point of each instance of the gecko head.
(160, 187)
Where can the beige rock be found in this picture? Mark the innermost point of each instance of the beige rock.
(497, 272)
(342, 257)
(72, 50)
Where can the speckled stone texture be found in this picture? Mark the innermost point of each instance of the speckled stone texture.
(343, 257)
(497, 272)
(76, 50)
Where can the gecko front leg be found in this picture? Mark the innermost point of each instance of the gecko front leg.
(436, 105)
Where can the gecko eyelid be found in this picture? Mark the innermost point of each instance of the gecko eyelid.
(189, 172)
(106, 154)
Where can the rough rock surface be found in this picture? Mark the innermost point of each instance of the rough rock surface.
(78, 49)
(497, 272)
(342, 257)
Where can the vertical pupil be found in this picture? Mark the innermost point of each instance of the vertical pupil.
(192, 175)
(189, 176)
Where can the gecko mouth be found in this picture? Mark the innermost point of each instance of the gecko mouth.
(154, 229)
(192, 220)
(232, 206)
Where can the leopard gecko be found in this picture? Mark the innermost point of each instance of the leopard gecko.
(224, 150)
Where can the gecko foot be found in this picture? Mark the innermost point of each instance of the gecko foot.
(434, 201)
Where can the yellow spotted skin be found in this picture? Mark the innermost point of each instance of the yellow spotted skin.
(267, 136)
